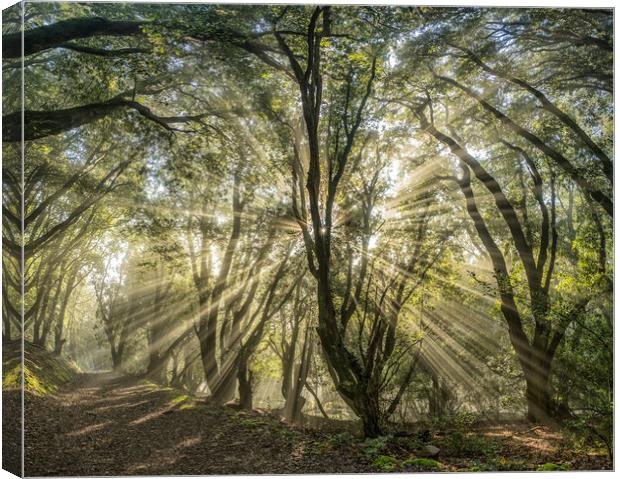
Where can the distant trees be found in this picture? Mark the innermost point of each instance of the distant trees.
(64, 212)
(115, 311)
(292, 341)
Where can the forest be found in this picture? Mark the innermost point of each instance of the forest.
(306, 239)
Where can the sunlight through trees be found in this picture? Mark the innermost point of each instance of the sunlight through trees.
(380, 215)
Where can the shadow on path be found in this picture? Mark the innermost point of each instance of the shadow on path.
(109, 424)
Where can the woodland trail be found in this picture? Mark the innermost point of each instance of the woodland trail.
(108, 424)
(103, 424)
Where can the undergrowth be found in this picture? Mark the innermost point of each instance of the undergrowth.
(44, 371)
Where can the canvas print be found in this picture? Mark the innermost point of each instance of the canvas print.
(306, 239)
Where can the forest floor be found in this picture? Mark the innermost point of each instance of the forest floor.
(108, 424)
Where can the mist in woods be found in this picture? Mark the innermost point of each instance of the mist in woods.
(343, 238)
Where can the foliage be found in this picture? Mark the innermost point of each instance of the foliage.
(373, 447)
(421, 464)
(372, 213)
(554, 467)
(470, 444)
(43, 372)
(341, 439)
(461, 421)
(385, 463)
(254, 423)
(179, 398)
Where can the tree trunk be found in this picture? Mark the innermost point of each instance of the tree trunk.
(39, 322)
(60, 321)
(36, 334)
(244, 375)
(6, 331)
(218, 380)
(59, 342)
(368, 410)
(353, 381)
(290, 371)
(58, 331)
(359, 392)
(46, 327)
(116, 361)
(295, 402)
(222, 387)
(434, 405)
(156, 369)
(538, 393)
(117, 356)
(536, 357)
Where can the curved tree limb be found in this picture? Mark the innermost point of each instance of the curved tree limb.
(548, 105)
(39, 124)
(559, 159)
(102, 52)
(56, 34)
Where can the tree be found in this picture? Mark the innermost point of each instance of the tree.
(388, 210)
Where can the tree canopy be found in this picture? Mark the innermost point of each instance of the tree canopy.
(384, 213)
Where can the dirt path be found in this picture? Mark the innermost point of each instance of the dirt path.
(107, 424)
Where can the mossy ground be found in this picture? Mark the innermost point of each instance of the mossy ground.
(44, 371)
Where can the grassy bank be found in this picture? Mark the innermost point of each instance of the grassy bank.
(44, 371)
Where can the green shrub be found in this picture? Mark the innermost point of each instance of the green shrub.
(253, 422)
(385, 463)
(461, 421)
(409, 443)
(592, 432)
(179, 398)
(341, 439)
(375, 446)
(421, 464)
(44, 372)
(193, 405)
(470, 444)
(554, 467)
